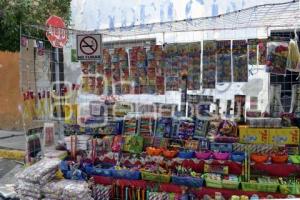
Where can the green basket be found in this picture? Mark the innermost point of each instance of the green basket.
(213, 183)
(295, 159)
(230, 184)
(290, 189)
(259, 187)
(161, 178)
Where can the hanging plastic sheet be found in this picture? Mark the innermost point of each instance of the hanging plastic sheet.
(223, 61)
(209, 64)
(240, 61)
(277, 57)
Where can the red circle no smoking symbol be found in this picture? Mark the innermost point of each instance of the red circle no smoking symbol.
(88, 45)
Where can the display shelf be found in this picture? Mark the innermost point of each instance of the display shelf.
(172, 188)
(278, 170)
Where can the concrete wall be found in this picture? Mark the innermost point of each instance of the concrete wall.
(10, 96)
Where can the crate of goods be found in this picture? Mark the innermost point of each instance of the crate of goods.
(293, 189)
(283, 136)
(92, 170)
(253, 135)
(263, 185)
(187, 181)
(295, 159)
(161, 178)
(222, 147)
(232, 182)
(126, 174)
(213, 180)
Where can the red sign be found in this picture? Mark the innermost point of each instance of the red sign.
(56, 31)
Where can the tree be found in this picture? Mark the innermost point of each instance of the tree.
(14, 13)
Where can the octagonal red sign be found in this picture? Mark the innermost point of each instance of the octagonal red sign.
(56, 33)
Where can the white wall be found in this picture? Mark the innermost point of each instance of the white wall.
(96, 14)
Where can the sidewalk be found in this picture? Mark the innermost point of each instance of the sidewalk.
(12, 147)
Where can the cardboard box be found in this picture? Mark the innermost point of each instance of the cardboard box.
(253, 135)
(282, 136)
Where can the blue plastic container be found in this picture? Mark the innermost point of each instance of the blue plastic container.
(186, 154)
(187, 181)
(238, 156)
(91, 170)
(126, 174)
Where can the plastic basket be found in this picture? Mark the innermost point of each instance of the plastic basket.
(187, 181)
(295, 159)
(126, 174)
(290, 189)
(186, 154)
(213, 183)
(238, 156)
(161, 178)
(91, 170)
(230, 184)
(259, 187)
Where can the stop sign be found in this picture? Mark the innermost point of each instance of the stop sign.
(56, 31)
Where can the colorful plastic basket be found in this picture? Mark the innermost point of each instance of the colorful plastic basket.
(186, 154)
(213, 183)
(126, 174)
(259, 187)
(187, 181)
(203, 155)
(230, 184)
(161, 178)
(290, 189)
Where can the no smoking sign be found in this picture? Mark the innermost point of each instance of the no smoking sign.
(89, 47)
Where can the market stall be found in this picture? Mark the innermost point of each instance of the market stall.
(146, 122)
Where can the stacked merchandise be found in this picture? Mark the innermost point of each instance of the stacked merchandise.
(80, 142)
(120, 71)
(67, 189)
(32, 179)
(102, 192)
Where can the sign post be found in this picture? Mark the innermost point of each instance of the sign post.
(56, 31)
(89, 47)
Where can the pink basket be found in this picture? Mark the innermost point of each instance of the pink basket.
(203, 155)
(221, 156)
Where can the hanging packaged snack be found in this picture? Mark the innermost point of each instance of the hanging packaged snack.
(209, 64)
(163, 127)
(193, 65)
(186, 128)
(130, 124)
(252, 51)
(223, 61)
(147, 125)
(201, 128)
(239, 107)
(133, 144)
(172, 68)
(240, 60)
(277, 57)
(293, 59)
(262, 51)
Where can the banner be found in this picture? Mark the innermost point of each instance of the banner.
(223, 61)
(209, 64)
(240, 61)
